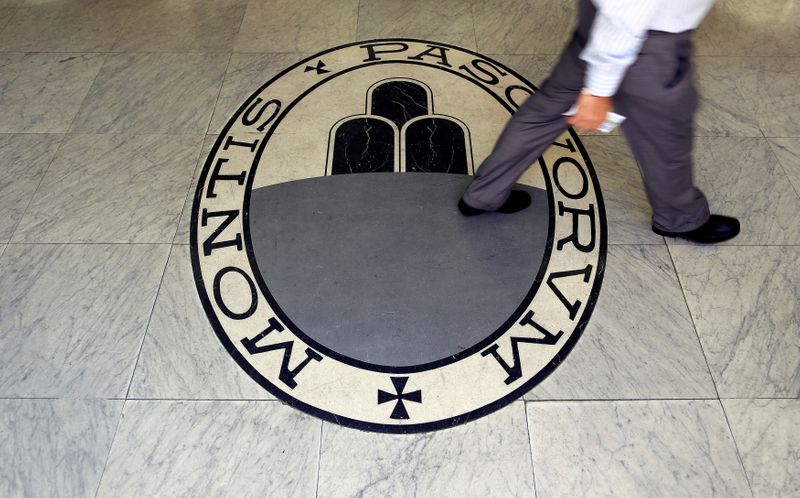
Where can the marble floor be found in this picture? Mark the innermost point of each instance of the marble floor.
(686, 381)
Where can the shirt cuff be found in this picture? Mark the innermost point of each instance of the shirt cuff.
(604, 80)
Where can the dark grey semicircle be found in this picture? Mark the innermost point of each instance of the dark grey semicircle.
(383, 269)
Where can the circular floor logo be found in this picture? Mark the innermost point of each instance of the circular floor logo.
(335, 268)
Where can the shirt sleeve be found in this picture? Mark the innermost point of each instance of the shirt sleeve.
(619, 29)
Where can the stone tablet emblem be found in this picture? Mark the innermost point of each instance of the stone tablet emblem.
(335, 268)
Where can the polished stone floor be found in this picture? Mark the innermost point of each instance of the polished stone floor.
(112, 382)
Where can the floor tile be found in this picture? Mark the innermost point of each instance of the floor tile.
(72, 317)
(741, 177)
(727, 103)
(41, 93)
(112, 188)
(198, 26)
(534, 68)
(23, 160)
(290, 26)
(634, 448)
(55, 447)
(181, 357)
(447, 21)
(744, 304)
(628, 212)
(183, 233)
(524, 26)
(487, 457)
(639, 343)
(246, 73)
(232, 448)
(787, 151)
(7, 12)
(751, 27)
(766, 435)
(777, 95)
(153, 93)
(74, 26)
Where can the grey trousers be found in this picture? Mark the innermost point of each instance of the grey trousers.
(658, 98)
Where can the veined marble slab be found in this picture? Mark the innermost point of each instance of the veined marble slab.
(231, 448)
(112, 188)
(181, 357)
(744, 304)
(72, 316)
(487, 457)
(634, 448)
(55, 447)
(639, 343)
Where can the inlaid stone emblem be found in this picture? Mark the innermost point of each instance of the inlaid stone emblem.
(335, 268)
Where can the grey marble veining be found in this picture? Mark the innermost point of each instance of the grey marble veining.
(75, 26)
(727, 101)
(183, 232)
(744, 303)
(181, 357)
(112, 188)
(523, 26)
(639, 343)
(787, 150)
(153, 93)
(487, 457)
(448, 21)
(232, 448)
(72, 316)
(197, 26)
(41, 93)
(634, 448)
(23, 161)
(246, 73)
(55, 447)
(769, 443)
(741, 177)
(777, 93)
(751, 28)
(290, 26)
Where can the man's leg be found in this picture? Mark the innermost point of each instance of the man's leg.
(532, 129)
(659, 100)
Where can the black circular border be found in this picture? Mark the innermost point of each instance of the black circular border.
(360, 424)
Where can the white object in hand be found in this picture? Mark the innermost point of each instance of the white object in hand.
(612, 119)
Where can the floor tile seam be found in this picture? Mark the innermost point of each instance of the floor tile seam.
(530, 447)
(38, 186)
(691, 317)
(149, 321)
(116, 52)
(319, 455)
(620, 400)
(736, 447)
(783, 168)
(86, 95)
(110, 448)
(219, 93)
(88, 243)
(477, 48)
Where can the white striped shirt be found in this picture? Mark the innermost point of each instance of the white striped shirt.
(620, 27)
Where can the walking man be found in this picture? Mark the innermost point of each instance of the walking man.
(636, 56)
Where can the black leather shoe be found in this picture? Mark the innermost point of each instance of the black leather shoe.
(517, 201)
(718, 228)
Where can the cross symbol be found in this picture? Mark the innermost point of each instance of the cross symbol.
(399, 412)
(319, 68)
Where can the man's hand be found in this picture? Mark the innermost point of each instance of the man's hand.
(591, 112)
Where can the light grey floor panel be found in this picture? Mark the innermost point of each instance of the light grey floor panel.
(634, 448)
(55, 447)
(214, 449)
(72, 316)
(181, 356)
(487, 457)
